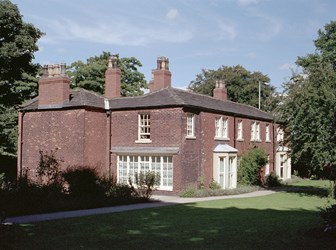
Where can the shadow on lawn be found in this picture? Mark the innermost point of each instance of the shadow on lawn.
(186, 226)
(303, 190)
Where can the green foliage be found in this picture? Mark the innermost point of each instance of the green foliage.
(146, 183)
(48, 169)
(91, 75)
(309, 106)
(251, 163)
(328, 214)
(214, 185)
(272, 180)
(18, 42)
(192, 191)
(308, 114)
(83, 181)
(242, 86)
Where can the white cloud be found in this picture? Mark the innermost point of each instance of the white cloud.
(287, 66)
(227, 31)
(271, 29)
(247, 2)
(122, 33)
(251, 55)
(172, 14)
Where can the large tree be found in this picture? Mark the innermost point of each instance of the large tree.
(308, 108)
(91, 75)
(18, 42)
(242, 85)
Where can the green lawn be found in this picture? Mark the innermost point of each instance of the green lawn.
(285, 220)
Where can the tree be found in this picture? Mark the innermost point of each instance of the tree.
(308, 109)
(91, 75)
(18, 42)
(242, 85)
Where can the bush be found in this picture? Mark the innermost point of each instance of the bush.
(328, 214)
(82, 181)
(251, 163)
(214, 185)
(48, 169)
(273, 180)
(192, 191)
(146, 183)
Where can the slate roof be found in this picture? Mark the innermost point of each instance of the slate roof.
(78, 98)
(165, 98)
(172, 97)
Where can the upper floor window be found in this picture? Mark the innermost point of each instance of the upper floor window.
(221, 127)
(190, 125)
(280, 135)
(240, 130)
(267, 133)
(144, 127)
(255, 131)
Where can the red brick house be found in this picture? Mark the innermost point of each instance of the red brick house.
(182, 135)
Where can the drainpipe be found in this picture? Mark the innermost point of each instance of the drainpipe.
(110, 143)
(109, 116)
(21, 142)
(274, 145)
(234, 131)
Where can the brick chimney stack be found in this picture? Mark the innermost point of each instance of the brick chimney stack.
(112, 78)
(54, 86)
(220, 91)
(161, 75)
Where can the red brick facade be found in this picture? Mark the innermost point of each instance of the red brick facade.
(98, 133)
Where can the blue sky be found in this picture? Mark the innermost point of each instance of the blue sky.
(260, 35)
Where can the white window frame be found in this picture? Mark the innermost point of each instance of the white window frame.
(280, 135)
(144, 127)
(190, 125)
(128, 165)
(222, 128)
(267, 133)
(240, 130)
(255, 131)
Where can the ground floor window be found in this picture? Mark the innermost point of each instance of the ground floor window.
(129, 165)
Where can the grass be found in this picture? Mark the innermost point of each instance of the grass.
(284, 220)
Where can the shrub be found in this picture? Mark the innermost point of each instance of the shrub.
(82, 181)
(328, 214)
(146, 183)
(48, 169)
(251, 163)
(192, 191)
(214, 185)
(272, 180)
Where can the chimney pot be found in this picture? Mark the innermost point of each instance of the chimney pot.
(112, 78)
(54, 86)
(161, 76)
(220, 91)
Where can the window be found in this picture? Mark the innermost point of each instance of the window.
(267, 133)
(129, 166)
(221, 127)
(280, 135)
(144, 127)
(255, 131)
(190, 125)
(240, 130)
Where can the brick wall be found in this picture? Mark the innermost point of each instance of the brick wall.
(78, 135)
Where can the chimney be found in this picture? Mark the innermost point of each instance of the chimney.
(220, 91)
(112, 78)
(161, 75)
(54, 86)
